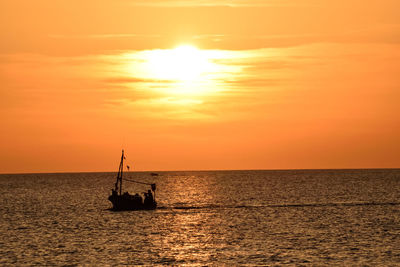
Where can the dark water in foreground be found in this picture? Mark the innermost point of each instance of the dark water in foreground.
(310, 217)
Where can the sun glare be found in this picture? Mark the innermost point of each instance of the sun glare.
(181, 71)
(183, 63)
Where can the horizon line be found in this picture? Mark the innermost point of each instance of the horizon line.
(206, 170)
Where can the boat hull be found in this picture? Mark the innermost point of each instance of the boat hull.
(124, 202)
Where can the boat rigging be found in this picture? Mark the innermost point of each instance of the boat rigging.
(126, 201)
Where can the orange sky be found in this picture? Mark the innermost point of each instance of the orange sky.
(272, 84)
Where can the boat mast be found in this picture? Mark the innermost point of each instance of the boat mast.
(119, 175)
(121, 166)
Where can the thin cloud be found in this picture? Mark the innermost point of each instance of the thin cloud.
(135, 80)
(228, 3)
(103, 36)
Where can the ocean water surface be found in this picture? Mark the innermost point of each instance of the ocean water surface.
(264, 218)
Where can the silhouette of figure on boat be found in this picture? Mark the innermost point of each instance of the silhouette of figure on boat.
(148, 198)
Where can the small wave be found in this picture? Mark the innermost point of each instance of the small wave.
(190, 207)
(344, 204)
(289, 205)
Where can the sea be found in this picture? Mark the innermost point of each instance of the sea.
(204, 218)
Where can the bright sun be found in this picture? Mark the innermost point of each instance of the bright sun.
(183, 63)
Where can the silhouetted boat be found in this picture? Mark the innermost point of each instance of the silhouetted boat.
(127, 201)
(154, 174)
